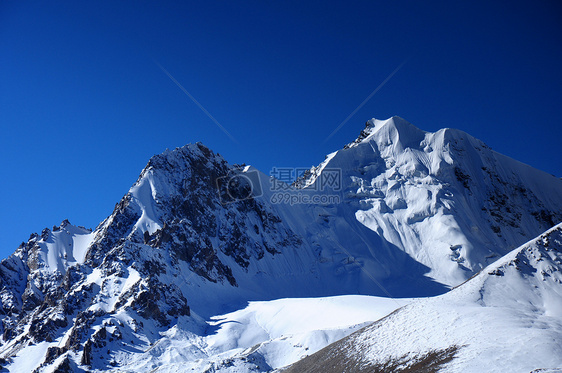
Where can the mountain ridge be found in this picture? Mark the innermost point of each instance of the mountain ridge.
(402, 187)
(413, 214)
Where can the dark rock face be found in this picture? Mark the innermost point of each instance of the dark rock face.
(192, 217)
(26, 289)
(65, 366)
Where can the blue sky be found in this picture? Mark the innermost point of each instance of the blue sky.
(84, 104)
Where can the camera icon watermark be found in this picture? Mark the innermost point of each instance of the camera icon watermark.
(239, 186)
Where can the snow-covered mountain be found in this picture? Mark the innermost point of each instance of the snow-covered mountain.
(508, 318)
(445, 198)
(398, 213)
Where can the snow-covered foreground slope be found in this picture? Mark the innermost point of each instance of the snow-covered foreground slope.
(261, 337)
(267, 335)
(508, 318)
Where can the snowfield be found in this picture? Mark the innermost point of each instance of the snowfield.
(267, 335)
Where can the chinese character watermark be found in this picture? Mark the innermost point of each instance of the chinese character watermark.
(289, 185)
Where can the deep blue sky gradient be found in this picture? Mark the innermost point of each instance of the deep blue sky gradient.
(84, 105)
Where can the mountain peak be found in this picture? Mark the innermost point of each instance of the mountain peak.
(187, 154)
(394, 121)
(415, 181)
(395, 131)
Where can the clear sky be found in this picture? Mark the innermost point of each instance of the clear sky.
(84, 103)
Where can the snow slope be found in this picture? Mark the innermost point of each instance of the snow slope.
(64, 248)
(261, 337)
(264, 335)
(508, 318)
